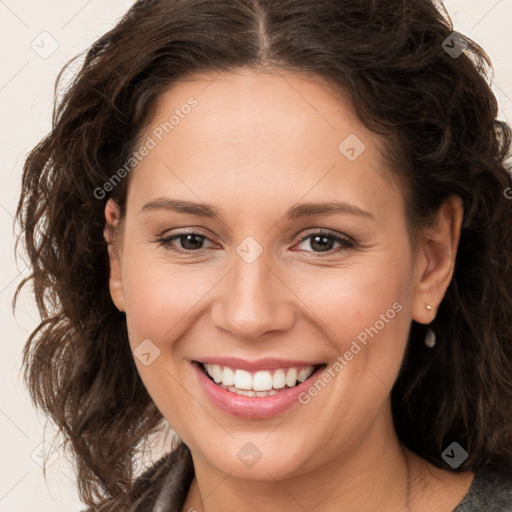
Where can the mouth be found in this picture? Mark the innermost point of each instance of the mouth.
(261, 383)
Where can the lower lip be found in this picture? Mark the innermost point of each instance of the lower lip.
(252, 407)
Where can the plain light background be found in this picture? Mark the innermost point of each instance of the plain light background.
(37, 37)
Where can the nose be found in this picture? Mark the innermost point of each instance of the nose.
(253, 301)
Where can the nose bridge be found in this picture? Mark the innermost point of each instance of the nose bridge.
(253, 300)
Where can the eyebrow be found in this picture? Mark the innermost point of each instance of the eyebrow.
(295, 212)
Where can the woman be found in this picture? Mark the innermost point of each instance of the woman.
(283, 229)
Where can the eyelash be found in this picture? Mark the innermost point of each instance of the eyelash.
(346, 242)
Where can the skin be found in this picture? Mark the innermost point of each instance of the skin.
(256, 144)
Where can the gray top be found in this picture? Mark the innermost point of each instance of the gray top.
(490, 491)
(164, 487)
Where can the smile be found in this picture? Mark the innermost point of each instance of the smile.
(257, 384)
(255, 390)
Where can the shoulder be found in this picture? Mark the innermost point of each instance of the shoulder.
(490, 491)
(167, 480)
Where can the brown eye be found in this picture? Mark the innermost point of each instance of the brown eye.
(324, 241)
(188, 242)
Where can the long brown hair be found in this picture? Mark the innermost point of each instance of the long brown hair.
(437, 115)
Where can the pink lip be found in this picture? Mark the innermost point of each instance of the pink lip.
(259, 364)
(252, 407)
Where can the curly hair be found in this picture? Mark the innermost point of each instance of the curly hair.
(438, 118)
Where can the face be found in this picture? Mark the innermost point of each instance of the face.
(259, 284)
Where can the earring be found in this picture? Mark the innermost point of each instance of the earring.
(430, 338)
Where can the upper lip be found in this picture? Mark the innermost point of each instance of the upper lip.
(256, 364)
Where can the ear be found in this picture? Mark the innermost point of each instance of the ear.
(113, 238)
(435, 260)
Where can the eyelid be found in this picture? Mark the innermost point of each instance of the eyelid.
(165, 240)
(322, 231)
(346, 242)
(166, 236)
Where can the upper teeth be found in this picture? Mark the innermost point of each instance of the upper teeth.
(258, 381)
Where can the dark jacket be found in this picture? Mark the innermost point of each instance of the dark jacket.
(164, 487)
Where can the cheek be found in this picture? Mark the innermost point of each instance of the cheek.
(159, 297)
(158, 292)
(344, 301)
(349, 299)
(365, 313)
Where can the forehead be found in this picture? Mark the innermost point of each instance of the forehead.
(251, 135)
(247, 107)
